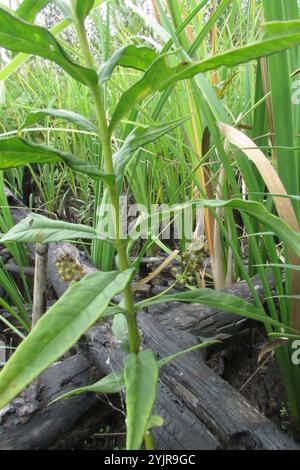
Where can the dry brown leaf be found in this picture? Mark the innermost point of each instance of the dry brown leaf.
(283, 205)
(270, 346)
(267, 171)
(156, 272)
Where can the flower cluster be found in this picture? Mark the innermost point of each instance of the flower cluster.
(69, 269)
(191, 263)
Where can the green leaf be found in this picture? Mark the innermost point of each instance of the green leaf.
(113, 310)
(89, 169)
(166, 360)
(59, 329)
(155, 422)
(285, 115)
(83, 8)
(75, 118)
(255, 209)
(15, 152)
(141, 378)
(20, 36)
(293, 267)
(277, 29)
(120, 331)
(162, 73)
(29, 9)
(20, 59)
(283, 335)
(112, 383)
(115, 382)
(136, 57)
(215, 299)
(39, 229)
(138, 138)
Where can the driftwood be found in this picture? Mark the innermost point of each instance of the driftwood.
(200, 409)
(29, 424)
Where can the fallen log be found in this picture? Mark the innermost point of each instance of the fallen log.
(182, 429)
(200, 409)
(28, 423)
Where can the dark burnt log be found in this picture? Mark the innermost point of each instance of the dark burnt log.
(181, 429)
(224, 411)
(30, 424)
(200, 409)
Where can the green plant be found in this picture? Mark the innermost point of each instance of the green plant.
(91, 298)
(254, 109)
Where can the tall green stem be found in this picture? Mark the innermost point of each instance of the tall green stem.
(105, 138)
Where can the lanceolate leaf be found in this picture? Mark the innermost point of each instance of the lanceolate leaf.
(61, 327)
(293, 267)
(277, 29)
(87, 168)
(112, 383)
(29, 9)
(255, 209)
(141, 377)
(39, 229)
(20, 36)
(277, 37)
(140, 137)
(217, 299)
(166, 360)
(21, 58)
(136, 57)
(155, 422)
(15, 152)
(75, 118)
